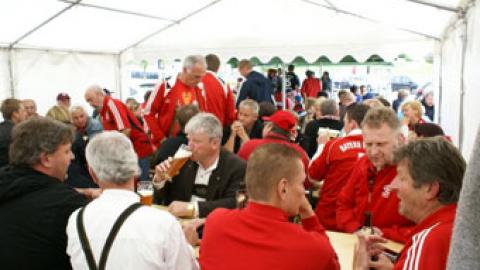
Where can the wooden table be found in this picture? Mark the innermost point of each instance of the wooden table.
(344, 244)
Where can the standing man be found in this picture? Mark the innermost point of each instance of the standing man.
(430, 175)
(115, 115)
(31, 107)
(293, 82)
(260, 236)
(60, 111)
(162, 103)
(219, 98)
(34, 202)
(368, 190)
(247, 127)
(255, 87)
(208, 180)
(148, 239)
(311, 86)
(13, 113)
(335, 164)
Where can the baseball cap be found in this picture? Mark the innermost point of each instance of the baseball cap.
(282, 119)
(63, 96)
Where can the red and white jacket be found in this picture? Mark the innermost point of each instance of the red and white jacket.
(429, 243)
(161, 106)
(353, 201)
(334, 167)
(219, 98)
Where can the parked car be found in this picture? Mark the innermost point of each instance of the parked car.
(403, 82)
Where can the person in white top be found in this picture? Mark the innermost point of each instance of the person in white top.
(148, 239)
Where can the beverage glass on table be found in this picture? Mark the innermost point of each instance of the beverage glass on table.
(145, 190)
(177, 162)
(332, 133)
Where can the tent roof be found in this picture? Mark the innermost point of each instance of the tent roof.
(262, 28)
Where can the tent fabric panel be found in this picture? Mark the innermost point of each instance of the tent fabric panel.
(41, 75)
(4, 75)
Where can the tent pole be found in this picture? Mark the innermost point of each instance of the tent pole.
(119, 75)
(284, 87)
(462, 84)
(440, 87)
(421, 2)
(10, 73)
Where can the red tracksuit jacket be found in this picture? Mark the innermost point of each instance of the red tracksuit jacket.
(219, 98)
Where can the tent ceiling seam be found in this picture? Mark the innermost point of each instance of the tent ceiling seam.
(369, 19)
(193, 13)
(43, 23)
(430, 4)
(120, 11)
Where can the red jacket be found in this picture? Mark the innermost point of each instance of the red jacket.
(311, 87)
(247, 149)
(429, 242)
(161, 106)
(260, 237)
(353, 202)
(219, 98)
(116, 116)
(334, 166)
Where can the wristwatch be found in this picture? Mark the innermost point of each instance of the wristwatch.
(191, 209)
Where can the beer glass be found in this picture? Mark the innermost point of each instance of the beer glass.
(179, 159)
(145, 190)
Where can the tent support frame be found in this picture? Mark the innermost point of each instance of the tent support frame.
(425, 3)
(461, 129)
(10, 73)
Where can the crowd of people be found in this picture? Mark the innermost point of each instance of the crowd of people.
(68, 180)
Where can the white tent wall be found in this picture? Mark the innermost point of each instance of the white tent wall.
(4, 75)
(41, 75)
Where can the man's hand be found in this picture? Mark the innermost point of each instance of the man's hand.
(180, 209)
(306, 210)
(190, 230)
(161, 172)
(361, 257)
(383, 263)
(240, 131)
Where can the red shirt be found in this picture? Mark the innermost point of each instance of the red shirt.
(429, 242)
(219, 98)
(116, 116)
(334, 166)
(161, 106)
(247, 149)
(260, 237)
(311, 87)
(353, 202)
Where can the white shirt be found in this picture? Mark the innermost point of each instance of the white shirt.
(320, 147)
(148, 239)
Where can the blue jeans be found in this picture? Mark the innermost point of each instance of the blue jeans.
(144, 165)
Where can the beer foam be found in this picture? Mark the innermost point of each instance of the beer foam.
(182, 153)
(145, 192)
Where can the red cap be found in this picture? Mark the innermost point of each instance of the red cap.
(63, 96)
(282, 119)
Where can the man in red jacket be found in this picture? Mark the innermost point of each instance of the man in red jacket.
(162, 103)
(311, 86)
(115, 115)
(430, 173)
(335, 164)
(219, 98)
(368, 191)
(260, 236)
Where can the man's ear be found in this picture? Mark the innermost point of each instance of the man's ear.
(282, 189)
(45, 160)
(433, 190)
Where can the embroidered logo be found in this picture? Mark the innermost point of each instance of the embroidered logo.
(386, 191)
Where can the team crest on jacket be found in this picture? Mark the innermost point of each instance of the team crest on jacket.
(386, 191)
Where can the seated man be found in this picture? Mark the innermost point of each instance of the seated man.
(430, 173)
(335, 164)
(148, 238)
(247, 127)
(367, 191)
(260, 236)
(34, 202)
(209, 179)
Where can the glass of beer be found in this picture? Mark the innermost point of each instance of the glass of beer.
(145, 190)
(179, 159)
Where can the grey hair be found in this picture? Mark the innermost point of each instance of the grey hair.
(250, 103)
(96, 88)
(207, 123)
(328, 107)
(35, 136)
(111, 157)
(192, 60)
(77, 108)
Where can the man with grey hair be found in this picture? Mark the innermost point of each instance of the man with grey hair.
(208, 180)
(31, 107)
(247, 127)
(162, 103)
(34, 202)
(159, 244)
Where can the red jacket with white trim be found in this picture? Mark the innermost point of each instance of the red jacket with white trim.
(219, 98)
(161, 106)
(353, 202)
(333, 167)
(429, 243)
(116, 116)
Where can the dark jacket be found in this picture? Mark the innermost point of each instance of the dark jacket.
(5, 139)
(255, 133)
(222, 186)
(256, 87)
(34, 211)
(309, 142)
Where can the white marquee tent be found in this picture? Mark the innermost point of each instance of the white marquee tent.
(48, 46)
